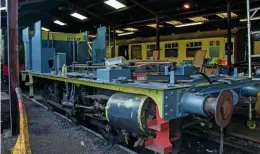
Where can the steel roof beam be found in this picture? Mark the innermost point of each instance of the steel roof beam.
(93, 4)
(143, 7)
(30, 2)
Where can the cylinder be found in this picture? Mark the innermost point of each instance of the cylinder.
(115, 61)
(221, 107)
(130, 112)
(250, 91)
(193, 103)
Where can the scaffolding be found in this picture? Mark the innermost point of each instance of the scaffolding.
(249, 32)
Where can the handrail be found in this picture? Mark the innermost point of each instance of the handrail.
(22, 145)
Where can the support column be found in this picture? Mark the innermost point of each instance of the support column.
(229, 44)
(114, 41)
(157, 33)
(249, 38)
(12, 34)
(109, 39)
(156, 52)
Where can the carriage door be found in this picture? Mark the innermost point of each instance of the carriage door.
(123, 51)
(136, 52)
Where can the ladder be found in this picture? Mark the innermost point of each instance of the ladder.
(249, 32)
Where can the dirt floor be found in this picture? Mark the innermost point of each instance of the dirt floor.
(50, 133)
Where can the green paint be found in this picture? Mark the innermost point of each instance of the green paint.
(129, 103)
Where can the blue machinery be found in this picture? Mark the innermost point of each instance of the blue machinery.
(27, 47)
(113, 101)
(99, 46)
(38, 51)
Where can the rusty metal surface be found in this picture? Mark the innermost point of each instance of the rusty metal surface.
(12, 15)
(224, 109)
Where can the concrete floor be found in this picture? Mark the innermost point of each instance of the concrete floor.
(7, 142)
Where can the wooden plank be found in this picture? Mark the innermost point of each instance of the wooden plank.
(199, 58)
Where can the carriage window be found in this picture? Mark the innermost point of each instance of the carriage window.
(150, 49)
(192, 48)
(214, 48)
(171, 50)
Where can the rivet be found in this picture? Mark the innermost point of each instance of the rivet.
(171, 110)
(166, 114)
(171, 93)
(166, 97)
(166, 105)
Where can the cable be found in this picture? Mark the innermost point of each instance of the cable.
(205, 76)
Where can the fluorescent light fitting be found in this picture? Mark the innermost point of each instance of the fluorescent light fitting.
(115, 4)
(189, 24)
(174, 22)
(45, 29)
(131, 29)
(123, 34)
(154, 25)
(254, 18)
(224, 15)
(2, 8)
(59, 23)
(198, 19)
(92, 36)
(79, 16)
(243, 20)
(119, 31)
